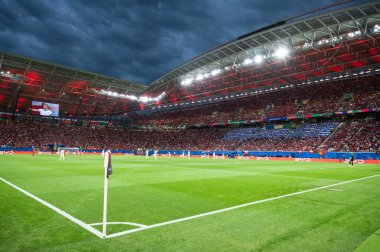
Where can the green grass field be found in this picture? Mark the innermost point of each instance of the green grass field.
(337, 218)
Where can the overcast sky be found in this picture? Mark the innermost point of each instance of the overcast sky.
(136, 40)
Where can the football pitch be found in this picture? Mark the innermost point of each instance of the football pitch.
(175, 204)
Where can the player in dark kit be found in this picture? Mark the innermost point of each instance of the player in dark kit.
(352, 159)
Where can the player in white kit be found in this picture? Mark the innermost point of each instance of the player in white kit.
(146, 153)
(188, 155)
(62, 155)
(155, 154)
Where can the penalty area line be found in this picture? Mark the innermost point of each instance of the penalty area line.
(56, 209)
(234, 207)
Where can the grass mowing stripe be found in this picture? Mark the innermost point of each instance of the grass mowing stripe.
(59, 211)
(265, 174)
(234, 207)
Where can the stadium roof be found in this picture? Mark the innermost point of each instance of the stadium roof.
(315, 39)
(73, 89)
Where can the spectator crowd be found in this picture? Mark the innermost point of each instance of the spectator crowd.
(352, 135)
(321, 98)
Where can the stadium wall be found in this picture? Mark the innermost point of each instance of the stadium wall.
(361, 157)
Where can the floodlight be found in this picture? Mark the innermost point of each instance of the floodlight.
(199, 77)
(281, 52)
(258, 59)
(215, 72)
(247, 61)
(143, 99)
(376, 28)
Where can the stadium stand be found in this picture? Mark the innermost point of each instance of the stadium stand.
(352, 135)
(160, 130)
(356, 135)
(322, 98)
(240, 134)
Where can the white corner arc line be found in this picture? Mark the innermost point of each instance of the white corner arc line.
(119, 223)
(235, 207)
(59, 211)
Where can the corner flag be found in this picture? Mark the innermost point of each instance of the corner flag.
(107, 173)
(107, 163)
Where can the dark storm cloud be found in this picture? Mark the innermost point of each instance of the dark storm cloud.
(135, 40)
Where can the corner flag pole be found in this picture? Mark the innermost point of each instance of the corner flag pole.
(105, 203)
(107, 172)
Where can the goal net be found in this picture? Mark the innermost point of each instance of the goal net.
(68, 150)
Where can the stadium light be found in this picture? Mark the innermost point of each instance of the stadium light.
(142, 99)
(376, 28)
(199, 77)
(247, 62)
(187, 82)
(7, 74)
(281, 52)
(215, 72)
(258, 59)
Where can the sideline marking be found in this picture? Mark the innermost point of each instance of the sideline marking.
(56, 209)
(234, 207)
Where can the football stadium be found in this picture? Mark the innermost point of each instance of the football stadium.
(268, 142)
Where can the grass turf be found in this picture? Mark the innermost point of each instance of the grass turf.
(149, 192)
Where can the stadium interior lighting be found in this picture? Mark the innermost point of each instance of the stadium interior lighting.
(281, 52)
(376, 28)
(199, 77)
(215, 72)
(354, 34)
(247, 62)
(143, 99)
(258, 59)
(6, 74)
(13, 77)
(187, 82)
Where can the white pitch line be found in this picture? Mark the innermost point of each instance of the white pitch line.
(59, 211)
(235, 207)
(119, 223)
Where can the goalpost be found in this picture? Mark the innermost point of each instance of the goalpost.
(69, 150)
